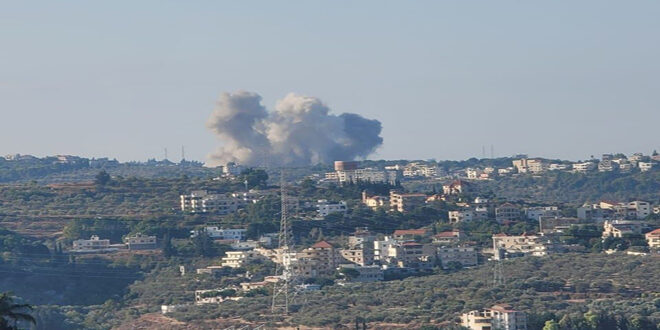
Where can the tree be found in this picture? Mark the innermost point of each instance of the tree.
(203, 244)
(254, 177)
(168, 249)
(13, 313)
(551, 325)
(102, 178)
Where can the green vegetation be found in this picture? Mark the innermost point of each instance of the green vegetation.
(11, 313)
(571, 291)
(559, 287)
(577, 188)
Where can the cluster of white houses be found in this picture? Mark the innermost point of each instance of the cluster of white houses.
(369, 255)
(97, 245)
(201, 201)
(349, 171)
(608, 163)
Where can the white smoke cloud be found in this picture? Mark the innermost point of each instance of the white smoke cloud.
(301, 131)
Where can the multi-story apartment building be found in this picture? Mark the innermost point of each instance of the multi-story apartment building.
(507, 212)
(645, 166)
(362, 235)
(400, 202)
(525, 165)
(189, 202)
(525, 244)
(349, 172)
(237, 259)
(606, 164)
(500, 316)
(621, 228)
(372, 273)
(535, 213)
(584, 167)
(466, 256)
(420, 170)
(460, 216)
(321, 259)
(200, 201)
(473, 173)
(233, 169)
(413, 255)
(325, 207)
(362, 254)
(382, 248)
(605, 210)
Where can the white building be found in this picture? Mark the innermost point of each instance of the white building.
(364, 174)
(558, 167)
(466, 256)
(200, 201)
(232, 169)
(460, 216)
(584, 167)
(643, 166)
(525, 165)
(383, 247)
(324, 207)
(237, 259)
(473, 173)
(535, 213)
(223, 233)
(642, 209)
(92, 244)
(524, 244)
(140, 242)
(371, 273)
(501, 317)
(214, 296)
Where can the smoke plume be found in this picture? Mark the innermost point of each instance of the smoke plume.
(301, 131)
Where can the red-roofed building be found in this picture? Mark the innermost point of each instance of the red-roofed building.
(410, 234)
(653, 239)
(322, 245)
(448, 237)
(321, 259)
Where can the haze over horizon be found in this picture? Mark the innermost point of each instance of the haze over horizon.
(444, 79)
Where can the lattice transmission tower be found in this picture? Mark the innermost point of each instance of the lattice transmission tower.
(284, 290)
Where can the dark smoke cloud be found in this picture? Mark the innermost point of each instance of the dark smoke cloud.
(301, 131)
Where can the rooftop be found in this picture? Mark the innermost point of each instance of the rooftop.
(322, 245)
(421, 231)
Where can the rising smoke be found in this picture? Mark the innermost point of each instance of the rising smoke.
(301, 131)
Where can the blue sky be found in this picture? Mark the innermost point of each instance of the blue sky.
(126, 79)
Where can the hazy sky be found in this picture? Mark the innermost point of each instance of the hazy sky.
(126, 79)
